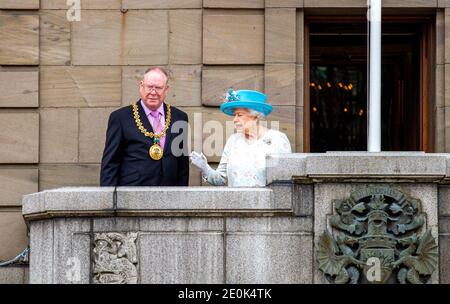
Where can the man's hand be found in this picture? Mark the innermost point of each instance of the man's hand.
(199, 160)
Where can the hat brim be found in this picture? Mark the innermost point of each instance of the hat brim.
(229, 107)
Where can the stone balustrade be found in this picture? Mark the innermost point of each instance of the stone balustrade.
(226, 235)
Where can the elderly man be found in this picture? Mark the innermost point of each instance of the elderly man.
(143, 147)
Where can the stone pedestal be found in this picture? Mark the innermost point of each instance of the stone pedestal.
(338, 175)
(220, 234)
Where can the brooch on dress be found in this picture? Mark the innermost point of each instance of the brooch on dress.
(267, 141)
(231, 96)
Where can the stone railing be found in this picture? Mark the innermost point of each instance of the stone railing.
(174, 235)
(274, 234)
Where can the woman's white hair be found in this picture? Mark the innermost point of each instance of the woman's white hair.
(256, 114)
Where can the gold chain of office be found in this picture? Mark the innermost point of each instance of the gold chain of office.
(155, 151)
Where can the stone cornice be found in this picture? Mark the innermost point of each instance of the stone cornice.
(152, 201)
(359, 167)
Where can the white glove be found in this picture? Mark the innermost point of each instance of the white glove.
(199, 160)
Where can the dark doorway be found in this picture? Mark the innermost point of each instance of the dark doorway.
(338, 85)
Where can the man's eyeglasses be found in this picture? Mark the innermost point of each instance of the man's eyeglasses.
(148, 89)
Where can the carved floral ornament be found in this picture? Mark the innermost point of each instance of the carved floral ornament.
(115, 258)
(379, 237)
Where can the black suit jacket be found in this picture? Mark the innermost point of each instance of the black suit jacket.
(126, 160)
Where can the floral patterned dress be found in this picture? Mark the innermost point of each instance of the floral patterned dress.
(243, 162)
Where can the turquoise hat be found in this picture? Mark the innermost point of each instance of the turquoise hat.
(248, 99)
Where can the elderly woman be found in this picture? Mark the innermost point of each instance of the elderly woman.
(243, 162)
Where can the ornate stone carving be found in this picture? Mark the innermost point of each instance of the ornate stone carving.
(377, 235)
(115, 258)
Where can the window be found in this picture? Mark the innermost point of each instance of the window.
(336, 88)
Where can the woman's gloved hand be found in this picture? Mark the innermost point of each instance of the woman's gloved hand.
(199, 160)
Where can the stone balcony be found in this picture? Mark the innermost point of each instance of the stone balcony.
(221, 234)
(186, 235)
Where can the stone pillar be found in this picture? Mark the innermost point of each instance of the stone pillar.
(334, 179)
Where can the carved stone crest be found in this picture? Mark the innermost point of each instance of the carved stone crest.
(115, 258)
(377, 240)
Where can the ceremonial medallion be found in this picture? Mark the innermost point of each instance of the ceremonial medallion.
(156, 152)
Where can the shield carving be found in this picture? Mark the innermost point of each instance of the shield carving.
(376, 232)
(377, 264)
